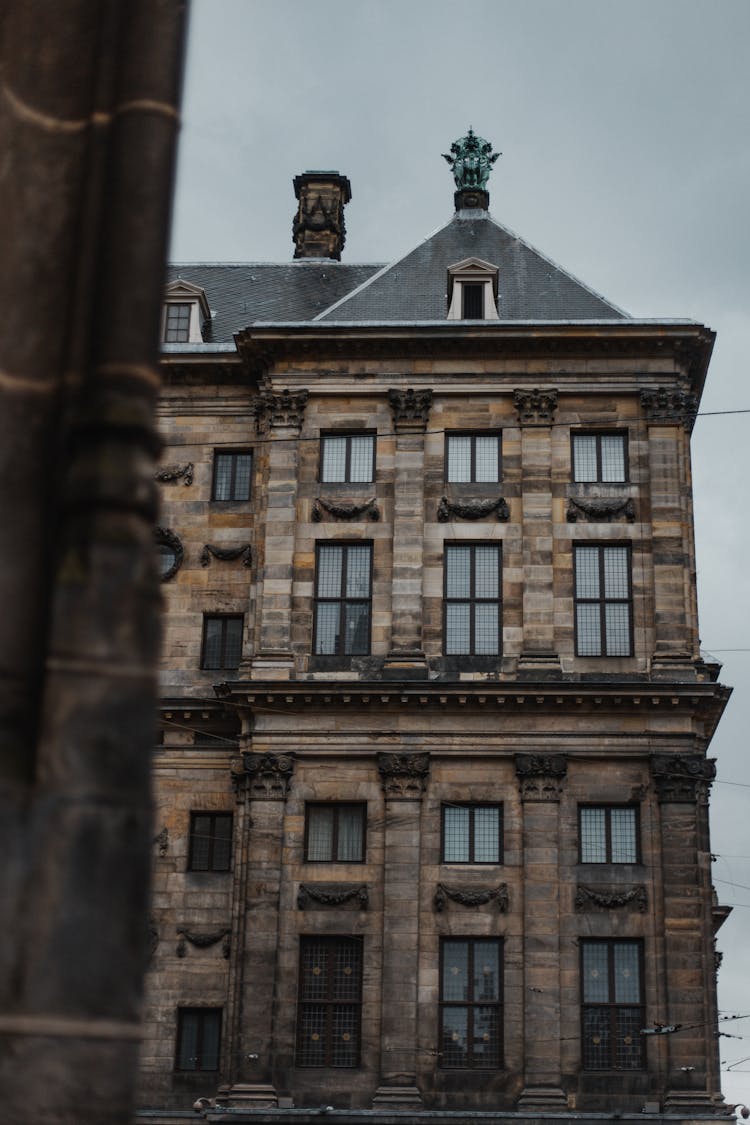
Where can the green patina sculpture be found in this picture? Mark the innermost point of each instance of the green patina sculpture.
(471, 161)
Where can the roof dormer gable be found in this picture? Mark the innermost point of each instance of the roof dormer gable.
(184, 314)
(472, 290)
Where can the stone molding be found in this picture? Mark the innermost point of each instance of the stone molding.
(472, 509)
(611, 898)
(682, 777)
(226, 554)
(285, 409)
(536, 407)
(167, 474)
(204, 940)
(600, 511)
(404, 776)
(169, 539)
(333, 894)
(665, 405)
(411, 409)
(541, 776)
(266, 777)
(161, 839)
(466, 897)
(341, 510)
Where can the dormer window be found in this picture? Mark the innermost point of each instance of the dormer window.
(472, 290)
(185, 313)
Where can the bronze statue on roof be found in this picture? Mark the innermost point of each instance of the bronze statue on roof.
(471, 159)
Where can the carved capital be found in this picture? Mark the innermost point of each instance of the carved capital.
(600, 511)
(465, 897)
(611, 898)
(665, 405)
(226, 554)
(204, 940)
(265, 777)
(340, 510)
(411, 409)
(167, 474)
(285, 410)
(682, 778)
(472, 509)
(541, 776)
(173, 553)
(333, 894)
(535, 408)
(404, 775)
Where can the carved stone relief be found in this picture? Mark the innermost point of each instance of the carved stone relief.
(465, 897)
(171, 556)
(472, 509)
(404, 775)
(600, 511)
(162, 840)
(611, 898)
(167, 474)
(541, 776)
(226, 554)
(340, 510)
(665, 405)
(333, 894)
(682, 777)
(204, 940)
(267, 776)
(286, 409)
(411, 408)
(535, 408)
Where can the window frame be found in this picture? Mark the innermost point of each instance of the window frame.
(472, 600)
(598, 435)
(224, 618)
(170, 306)
(472, 806)
(602, 601)
(473, 291)
(201, 1014)
(612, 1006)
(471, 942)
(214, 815)
(334, 942)
(234, 455)
(342, 600)
(607, 809)
(347, 435)
(473, 435)
(336, 806)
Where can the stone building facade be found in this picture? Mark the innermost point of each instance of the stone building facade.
(432, 778)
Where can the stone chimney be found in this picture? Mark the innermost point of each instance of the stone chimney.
(318, 229)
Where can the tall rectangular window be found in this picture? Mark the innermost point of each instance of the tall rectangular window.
(343, 584)
(612, 1011)
(471, 1013)
(198, 1038)
(329, 1008)
(472, 300)
(335, 833)
(599, 458)
(347, 458)
(608, 834)
(177, 322)
(472, 458)
(210, 841)
(472, 833)
(603, 601)
(473, 599)
(232, 475)
(222, 640)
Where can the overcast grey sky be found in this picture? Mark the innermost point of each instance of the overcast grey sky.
(625, 133)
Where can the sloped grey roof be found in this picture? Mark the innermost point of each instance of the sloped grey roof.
(531, 287)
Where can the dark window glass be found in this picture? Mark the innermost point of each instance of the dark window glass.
(210, 841)
(612, 1010)
(177, 323)
(347, 458)
(222, 641)
(471, 1013)
(603, 601)
(599, 458)
(329, 1005)
(472, 300)
(472, 833)
(472, 599)
(335, 833)
(473, 458)
(609, 835)
(232, 474)
(198, 1038)
(343, 599)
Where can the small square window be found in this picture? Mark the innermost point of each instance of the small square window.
(347, 458)
(335, 833)
(177, 322)
(210, 841)
(232, 475)
(599, 458)
(222, 641)
(472, 458)
(198, 1038)
(472, 833)
(609, 834)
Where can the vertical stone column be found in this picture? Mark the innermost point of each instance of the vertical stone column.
(669, 415)
(682, 783)
(404, 778)
(541, 777)
(406, 659)
(263, 783)
(279, 417)
(536, 413)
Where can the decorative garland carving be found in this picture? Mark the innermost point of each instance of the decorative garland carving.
(343, 511)
(162, 839)
(535, 408)
(472, 509)
(404, 775)
(499, 895)
(169, 539)
(226, 554)
(286, 409)
(411, 408)
(169, 473)
(334, 894)
(541, 776)
(266, 775)
(683, 777)
(203, 941)
(611, 898)
(604, 511)
(670, 406)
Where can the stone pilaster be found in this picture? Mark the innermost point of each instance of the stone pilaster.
(404, 778)
(541, 777)
(410, 414)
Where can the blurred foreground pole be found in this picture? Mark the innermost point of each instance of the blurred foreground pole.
(88, 121)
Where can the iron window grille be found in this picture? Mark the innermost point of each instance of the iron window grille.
(232, 475)
(210, 846)
(347, 458)
(335, 833)
(472, 458)
(177, 322)
(473, 599)
(612, 1012)
(198, 1038)
(603, 600)
(472, 833)
(222, 641)
(608, 834)
(329, 1009)
(470, 1005)
(343, 599)
(599, 458)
